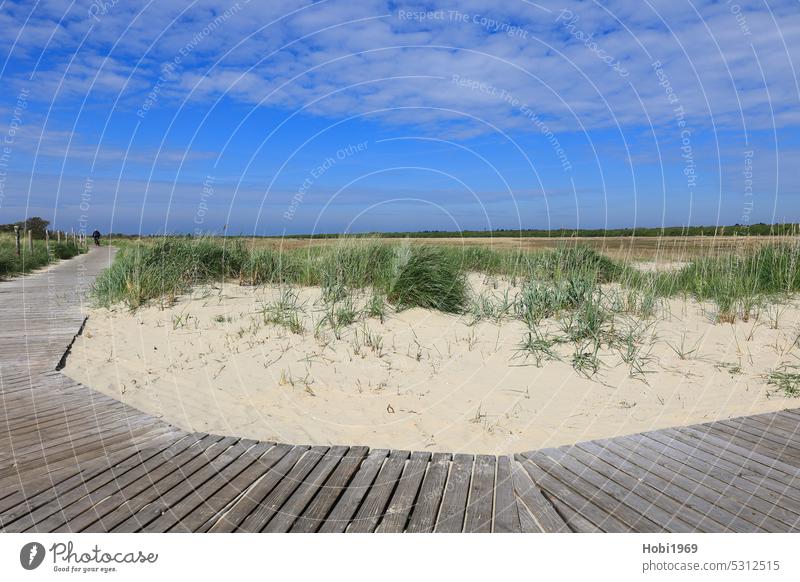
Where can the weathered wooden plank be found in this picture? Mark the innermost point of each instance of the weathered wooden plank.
(754, 508)
(217, 456)
(600, 492)
(563, 491)
(629, 490)
(350, 500)
(506, 512)
(726, 445)
(536, 513)
(481, 496)
(743, 439)
(121, 505)
(769, 436)
(596, 487)
(456, 492)
(334, 488)
(305, 492)
(402, 502)
(34, 492)
(726, 456)
(787, 426)
(737, 469)
(371, 510)
(206, 514)
(682, 490)
(69, 502)
(209, 490)
(270, 505)
(89, 450)
(250, 499)
(426, 510)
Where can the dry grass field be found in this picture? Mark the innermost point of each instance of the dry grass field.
(632, 249)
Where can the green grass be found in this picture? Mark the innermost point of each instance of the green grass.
(12, 265)
(407, 277)
(285, 312)
(554, 282)
(428, 277)
(736, 284)
(539, 346)
(787, 379)
(168, 269)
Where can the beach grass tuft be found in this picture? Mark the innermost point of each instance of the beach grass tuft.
(554, 282)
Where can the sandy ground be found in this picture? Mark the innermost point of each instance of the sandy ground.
(665, 266)
(420, 379)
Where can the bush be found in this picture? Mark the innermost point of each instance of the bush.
(65, 250)
(11, 264)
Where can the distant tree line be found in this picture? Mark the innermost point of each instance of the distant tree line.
(759, 229)
(37, 226)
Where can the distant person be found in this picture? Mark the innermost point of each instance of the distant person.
(96, 236)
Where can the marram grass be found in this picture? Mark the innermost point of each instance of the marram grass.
(553, 281)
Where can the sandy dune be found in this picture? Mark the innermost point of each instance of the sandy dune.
(420, 379)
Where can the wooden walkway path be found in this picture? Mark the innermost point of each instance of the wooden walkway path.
(72, 459)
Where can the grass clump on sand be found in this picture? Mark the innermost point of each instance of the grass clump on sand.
(427, 277)
(166, 269)
(787, 379)
(285, 312)
(539, 300)
(407, 277)
(28, 260)
(737, 283)
(357, 265)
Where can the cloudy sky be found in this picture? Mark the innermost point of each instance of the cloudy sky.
(280, 116)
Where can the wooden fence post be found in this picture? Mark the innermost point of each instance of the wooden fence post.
(16, 237)
(30, 240)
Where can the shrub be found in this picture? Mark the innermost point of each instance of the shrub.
(12, 264)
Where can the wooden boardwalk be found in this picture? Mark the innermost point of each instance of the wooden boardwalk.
(72, 459)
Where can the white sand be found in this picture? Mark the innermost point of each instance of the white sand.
(661, 266)
(209, 363)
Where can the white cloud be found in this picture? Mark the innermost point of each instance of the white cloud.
(714, 58)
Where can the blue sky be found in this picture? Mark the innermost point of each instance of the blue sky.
(332, 116)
